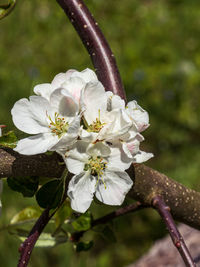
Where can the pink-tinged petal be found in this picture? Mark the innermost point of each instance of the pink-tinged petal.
(95, 101)
(87, 75)
(64, 105)
(44, 90)
(74, 86)
(25, 120)
(139, 116)
(142, 156)
(60, 78)
(81, 190)
(117, 186)
(36, 144)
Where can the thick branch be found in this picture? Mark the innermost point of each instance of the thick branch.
(96, 44)
(148, 183)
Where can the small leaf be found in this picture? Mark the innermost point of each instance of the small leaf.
(26, 185)
(83, 246)
(45, 239)
(8, 139)
(6, 8)
(83, 222)
(26, 214)
(63, 213)
(50, 194)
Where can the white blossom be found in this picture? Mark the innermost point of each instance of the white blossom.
(99, 169)
(100, 122)
(55, 123)
(72, 81)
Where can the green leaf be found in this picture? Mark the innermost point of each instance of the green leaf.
(83, 246)
(63, 213)
(8, 139)
(6, 8)
(26, 214)
(45, 239)
(50, 194)
(26, 185)
(83, 223)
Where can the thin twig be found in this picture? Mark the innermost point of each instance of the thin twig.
(109, 217)
(96, 44)
(27, 246)
(164, 211)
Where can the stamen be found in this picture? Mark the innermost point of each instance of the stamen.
(97, 125)
(59, 126)
(96, 165)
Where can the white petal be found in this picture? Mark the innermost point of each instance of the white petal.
(116, 125)
(60, 78)
(81, 190)
(87, 136)
(117, 186)
(118, 159)
(142, 156)
(36, 144)
(65, 105)
(87, 75)
(40, 108)
(24, 119)
(95, 101)
(77, 157)
(44, 90)
(117, 102)
(99, 149)
(70, 137)
(139, 115)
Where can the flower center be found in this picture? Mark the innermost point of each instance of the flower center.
(59, 126)
(96, 165)
(96, 126)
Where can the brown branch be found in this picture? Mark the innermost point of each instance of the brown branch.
(95, 43)
(176, 237)
(148, 183)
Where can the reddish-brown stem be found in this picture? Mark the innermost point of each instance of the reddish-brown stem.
(164, 211)
(109, 217)
(95, 43)
(119, 212)
(27, 246)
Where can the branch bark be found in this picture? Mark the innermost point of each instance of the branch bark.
(148, 183)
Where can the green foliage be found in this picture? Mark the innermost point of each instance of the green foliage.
(29, 213)
(6, 7)
(157, 47)
(83, 223)
(8, 139)
(50, 194)
(26, 185)
(83, 246)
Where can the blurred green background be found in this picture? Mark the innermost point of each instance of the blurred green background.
(157, 47)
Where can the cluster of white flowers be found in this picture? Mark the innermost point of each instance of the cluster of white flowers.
(95, 132)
